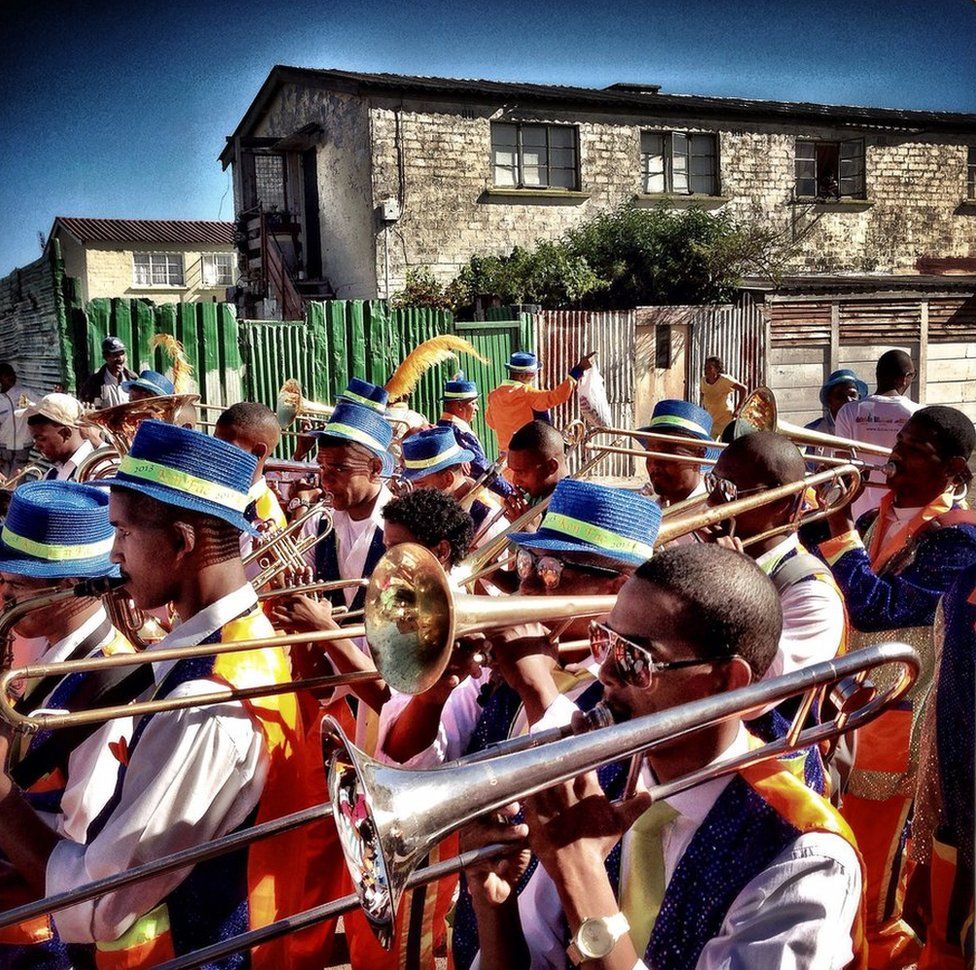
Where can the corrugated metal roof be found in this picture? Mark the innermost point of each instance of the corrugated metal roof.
(181, 231)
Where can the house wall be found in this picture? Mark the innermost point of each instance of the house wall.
(108, 272)
(436, 158)
(346, 218)
(75, 261)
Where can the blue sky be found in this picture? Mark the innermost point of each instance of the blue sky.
(108, 109)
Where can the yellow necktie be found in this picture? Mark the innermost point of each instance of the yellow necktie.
(642, 886)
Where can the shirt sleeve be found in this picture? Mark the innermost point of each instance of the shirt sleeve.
(813, 626)
(540, 400)
(876, 603)
(797, 914)
(457, 724)
(194, 776)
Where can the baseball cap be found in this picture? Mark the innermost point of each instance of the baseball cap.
(112, 345)
(59, 408)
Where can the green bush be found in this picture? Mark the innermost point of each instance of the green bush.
(618, 260)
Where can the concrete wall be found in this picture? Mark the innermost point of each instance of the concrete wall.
(108, 272)
(914, 188)
(346, 216)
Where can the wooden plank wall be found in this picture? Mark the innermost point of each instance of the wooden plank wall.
(810, 338)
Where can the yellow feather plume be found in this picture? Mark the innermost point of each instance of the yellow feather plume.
(182, 368)
(420, 360)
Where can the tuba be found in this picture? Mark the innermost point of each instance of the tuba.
(120, 424)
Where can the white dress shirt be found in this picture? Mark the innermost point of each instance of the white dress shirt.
(813, 617)
(66, 470)
(87, 800)
(876, 420)
(13, 426)
(194, 776)
(797, 913)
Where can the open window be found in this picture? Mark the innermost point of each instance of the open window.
(830, 170)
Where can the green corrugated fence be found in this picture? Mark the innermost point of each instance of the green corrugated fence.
(209, 333)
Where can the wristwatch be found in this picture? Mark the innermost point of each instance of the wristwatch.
(596, 937)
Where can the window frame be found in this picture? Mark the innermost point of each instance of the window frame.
(667, 153)
(971, 173)
(232, 256)
(839, 145)
(168, 285)
(520, 184)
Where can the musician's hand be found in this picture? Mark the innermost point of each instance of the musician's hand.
(301, 614)
(516, 504)
(466, 660)
(574, 826)
(494, 881)
(730, 542)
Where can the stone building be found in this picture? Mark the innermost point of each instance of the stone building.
(344, 181)
(163, 260)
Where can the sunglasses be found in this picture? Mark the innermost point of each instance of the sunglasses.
(550, 569)
(727, 491)
(635, 664)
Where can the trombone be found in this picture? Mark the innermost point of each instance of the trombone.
(388, 818)
(408, 811)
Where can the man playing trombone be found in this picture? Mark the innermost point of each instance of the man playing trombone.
(185, 775)
(748, 870)
(55, 535)
(675, 481)
(919, 540)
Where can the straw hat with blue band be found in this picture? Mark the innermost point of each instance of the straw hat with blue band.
(459, 389)
(682, 418)
(189, 470)
(523, 363)
(596, 524)
(363, 426)
(432, 451)
(151, 381)
(367, 395)
(57, 530)
(842, 377)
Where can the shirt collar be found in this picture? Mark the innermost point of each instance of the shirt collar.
(459, 422)
(57, 652)
(770, 559)
(201, 625)
(259, 489)
(695, 803)
(81, 453)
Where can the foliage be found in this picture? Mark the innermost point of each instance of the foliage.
(618, 260)
(422, 289)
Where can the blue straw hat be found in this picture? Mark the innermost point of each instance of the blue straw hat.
(459, 389)
(364, 426)
(431, 451)
(57, 530)
(189, 470)
(682, 418)
(523, 362)
(368, 395)
(596, 524)
(159, 385)
(842, 377)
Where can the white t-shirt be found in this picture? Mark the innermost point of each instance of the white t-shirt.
(875, 420)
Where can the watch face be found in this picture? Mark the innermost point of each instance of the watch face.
(594, 939)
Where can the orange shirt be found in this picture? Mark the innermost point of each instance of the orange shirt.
(513, 404)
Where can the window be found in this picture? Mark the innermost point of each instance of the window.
(534, 156)
(219, 269)
(971, 174)
(678, 163)
(157, 269)
(830, 169)
(662, 346)
(269, 181)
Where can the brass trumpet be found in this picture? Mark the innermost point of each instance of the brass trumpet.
(281, 550)
(390, 818)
